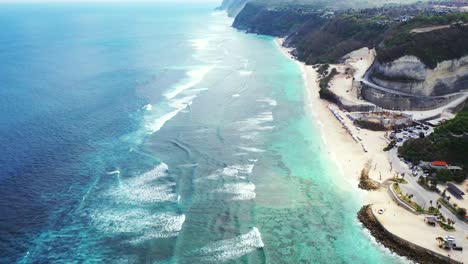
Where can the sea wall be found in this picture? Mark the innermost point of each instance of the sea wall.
(408, 74)
(397, 244)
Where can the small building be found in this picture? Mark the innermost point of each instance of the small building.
(454, 168)
(455, 191)
(439, 165)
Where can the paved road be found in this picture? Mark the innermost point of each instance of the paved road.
(421, 195)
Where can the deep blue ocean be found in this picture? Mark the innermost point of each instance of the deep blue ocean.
(156, 133)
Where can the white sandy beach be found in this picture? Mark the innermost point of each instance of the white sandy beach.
(348, 144)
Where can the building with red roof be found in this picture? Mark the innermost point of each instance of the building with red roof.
(438, 164)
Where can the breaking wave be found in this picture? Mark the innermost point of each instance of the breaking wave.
(231, 248)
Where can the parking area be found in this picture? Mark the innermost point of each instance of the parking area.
(401, 135)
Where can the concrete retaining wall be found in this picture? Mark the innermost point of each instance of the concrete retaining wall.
(404, 102)
(402, 203)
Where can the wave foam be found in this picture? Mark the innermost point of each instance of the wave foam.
(241, 191)
(250, 149)
(140, 223)
(245, 73)
(178, 105)
(269, 101)
(193, 78)
(144, 189)
(148, 107)
(200, 44)
(232, 248)
(258, 122)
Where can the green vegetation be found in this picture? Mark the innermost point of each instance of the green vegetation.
(445, 226)
(324, 92)
(338, 37)
(426, 184)
(430, 47)
(446, 143)
(407, 198)
(323, 31)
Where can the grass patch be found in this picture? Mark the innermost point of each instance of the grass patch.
(445, 226)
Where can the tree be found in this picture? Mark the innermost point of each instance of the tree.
(421, 135)
(448, 198)
(444, 175)
(430, 202)
(433, 183)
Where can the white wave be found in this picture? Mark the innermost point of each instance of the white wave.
(158, 123)
(140, 223)
(245, 73)
(181, 103)
(240, 154)
(249, 149)
(250, 136)
(178, 105)
(230, 171)
(148, 107)
(193, 78)
(113, 172)
(232, 248)
(200, 44)
(269, 101)
(143, 189)
(241, 191)
(236, 95)
(258, 122)
(245, 168)
(188, 165)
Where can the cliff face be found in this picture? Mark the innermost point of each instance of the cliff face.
(233, 7)
(409, 75)
(266, 20)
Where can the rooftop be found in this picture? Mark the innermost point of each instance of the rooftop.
(439, 163)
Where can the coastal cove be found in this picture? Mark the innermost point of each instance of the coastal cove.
(182, 139)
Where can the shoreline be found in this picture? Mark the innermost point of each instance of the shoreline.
(355, 150)
(332, 130)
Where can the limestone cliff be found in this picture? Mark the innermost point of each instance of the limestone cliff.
(409, 75)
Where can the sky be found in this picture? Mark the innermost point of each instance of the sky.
(110, 1)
